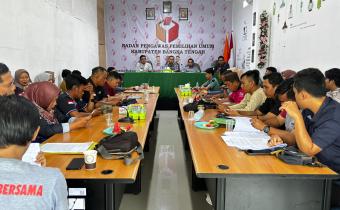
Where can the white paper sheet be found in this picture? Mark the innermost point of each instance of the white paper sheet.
(244, 143)
(246, 140)
(30, 155)
(63, 148)
(243, 124)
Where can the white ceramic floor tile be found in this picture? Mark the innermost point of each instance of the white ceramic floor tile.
(165, 177)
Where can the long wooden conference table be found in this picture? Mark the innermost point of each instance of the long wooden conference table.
(103, 191)
(236, 180)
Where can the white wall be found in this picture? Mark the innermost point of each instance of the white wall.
(242, 28)
(311, 40)
(41, 35)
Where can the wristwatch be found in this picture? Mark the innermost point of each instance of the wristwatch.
(266, 129)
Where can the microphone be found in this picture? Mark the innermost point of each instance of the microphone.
(126, 119)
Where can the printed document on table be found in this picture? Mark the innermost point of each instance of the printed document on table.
(66, 148)
(243, 124)
(246, 140)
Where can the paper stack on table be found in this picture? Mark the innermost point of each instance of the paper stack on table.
(66, 148)
(245, 136)
(246, 140)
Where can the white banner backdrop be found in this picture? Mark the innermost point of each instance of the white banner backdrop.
(129, 34)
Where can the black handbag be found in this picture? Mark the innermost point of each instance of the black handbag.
(120, 146)
(127, 102)
(191, 107)
(292, 155)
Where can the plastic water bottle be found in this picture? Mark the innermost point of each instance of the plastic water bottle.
(199, 114)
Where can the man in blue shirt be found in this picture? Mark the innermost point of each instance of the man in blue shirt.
(317, 130)
(171, 64)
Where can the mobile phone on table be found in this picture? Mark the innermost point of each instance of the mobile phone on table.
(76, 164)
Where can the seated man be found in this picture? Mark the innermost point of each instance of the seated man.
(178, 61)
(97, 81)
(64, 74)
(317, 128)
(284, 92)
(333, 84)
(7, 86)
(192, 66)
(69, 103)
(270, 70)
(233, 84)
(143, 65)
(22, 185)
(212, 83)
(112, 83)
(220, 64)
(170, 64)
(270, 108)
(254, 97)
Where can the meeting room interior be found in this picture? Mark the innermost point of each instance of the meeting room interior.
(169, 105)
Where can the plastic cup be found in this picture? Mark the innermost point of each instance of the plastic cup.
(191, 115)
(90, 157)
(108, 118)
(229, 126)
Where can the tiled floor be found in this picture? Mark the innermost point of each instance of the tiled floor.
(165, 180)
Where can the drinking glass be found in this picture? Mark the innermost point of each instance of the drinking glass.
(191, 115)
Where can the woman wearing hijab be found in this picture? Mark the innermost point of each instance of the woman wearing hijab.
(44, 95)
(43, 77)
(287, 74)
(21, 80)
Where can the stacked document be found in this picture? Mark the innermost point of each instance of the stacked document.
(66, 148)
(246, 140)
(245, 136)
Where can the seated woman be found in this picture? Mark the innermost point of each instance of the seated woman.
(21, 80)
(212, 83)
(43, 77)
(44, 95)
(288, 74)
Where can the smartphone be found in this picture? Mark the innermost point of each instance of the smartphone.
(76, 164)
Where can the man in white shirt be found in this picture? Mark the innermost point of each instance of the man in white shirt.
(142, 65)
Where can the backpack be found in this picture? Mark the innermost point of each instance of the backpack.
(120, 146)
